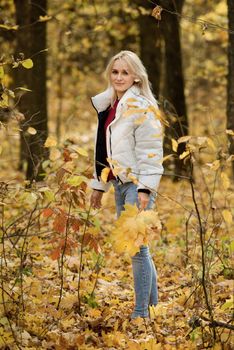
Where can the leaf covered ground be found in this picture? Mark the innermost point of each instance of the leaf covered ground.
(66, 285)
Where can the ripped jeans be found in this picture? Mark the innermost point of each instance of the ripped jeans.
(144, 272)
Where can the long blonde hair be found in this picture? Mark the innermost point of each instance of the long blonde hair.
(137, 68)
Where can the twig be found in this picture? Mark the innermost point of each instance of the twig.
(61, 270)
(81, 260)
(203, 260)
(186, 238)
(4, 302)
(22, 256)
(97, 266)
(195, 20)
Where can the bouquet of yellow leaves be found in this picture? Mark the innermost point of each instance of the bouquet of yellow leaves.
(134, 228)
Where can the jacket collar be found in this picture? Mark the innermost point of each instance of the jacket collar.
(103, 100)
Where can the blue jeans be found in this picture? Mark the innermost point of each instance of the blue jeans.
(144, 272)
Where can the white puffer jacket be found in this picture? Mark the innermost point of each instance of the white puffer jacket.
(133, 140)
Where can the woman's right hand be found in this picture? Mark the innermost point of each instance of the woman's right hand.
(96, 199)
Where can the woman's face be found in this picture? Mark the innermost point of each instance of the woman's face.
(121, 77)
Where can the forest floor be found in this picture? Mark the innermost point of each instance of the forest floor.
(98, 317)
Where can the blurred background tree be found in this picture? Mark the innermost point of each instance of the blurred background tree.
(230, 80)
(30, 43)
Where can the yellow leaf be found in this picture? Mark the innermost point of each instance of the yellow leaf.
(227, 215)
(229, 304)
(171, 339)
(28, 63)
(131, 99)
(112, 161)
(9, 27)
(158, 114)
(76, 180)
(160, 310)
(50, 141)
(4, 321)
(184, 154)
(55, 154)
(211, 144)
(15, 64)
(82, 151)
(230, 158)
(167, 157)
(151, 344)
(225, 180)
(104, 174)
(132, 106)
(215, 165)
(160, 135)
(133, 179)
(174, 145)
(73, 155)
(230, 132)
(140, 120)
(201, 140)
(226, 338)
(98, 28)
(116, 325)
(184, 139)
(1, 72)
(133, 111)
(124, 325)
(131, 229)
(133, 345)
(23, 89)
(1, 149)
(44, 18)
(67, 323)
(4, 102)
(68, 301)
(50, 195)
(144, 11)
(117, 170)
(31, 131)
(151, 155)
(94, 313)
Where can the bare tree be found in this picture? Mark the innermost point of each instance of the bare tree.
(173, 94)
(230, 79)
(30, 41)
(161, 53)
(150, 46)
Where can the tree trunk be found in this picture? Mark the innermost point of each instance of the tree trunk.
(38, 153)
(150, 46)
(22, 76)
(31, 40)
(230, 79)
(174, 103)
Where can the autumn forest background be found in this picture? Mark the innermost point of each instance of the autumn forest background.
(65, 269)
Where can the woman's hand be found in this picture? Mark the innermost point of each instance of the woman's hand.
(143, 199)
(96, 199)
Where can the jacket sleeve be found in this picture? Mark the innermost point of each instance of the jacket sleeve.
(95, 184)
(149, 152)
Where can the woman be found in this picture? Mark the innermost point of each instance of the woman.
(129, 142)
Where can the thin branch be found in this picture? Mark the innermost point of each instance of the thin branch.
(207, 25)
(81, 259)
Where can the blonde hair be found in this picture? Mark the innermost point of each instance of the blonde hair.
(137, 68)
